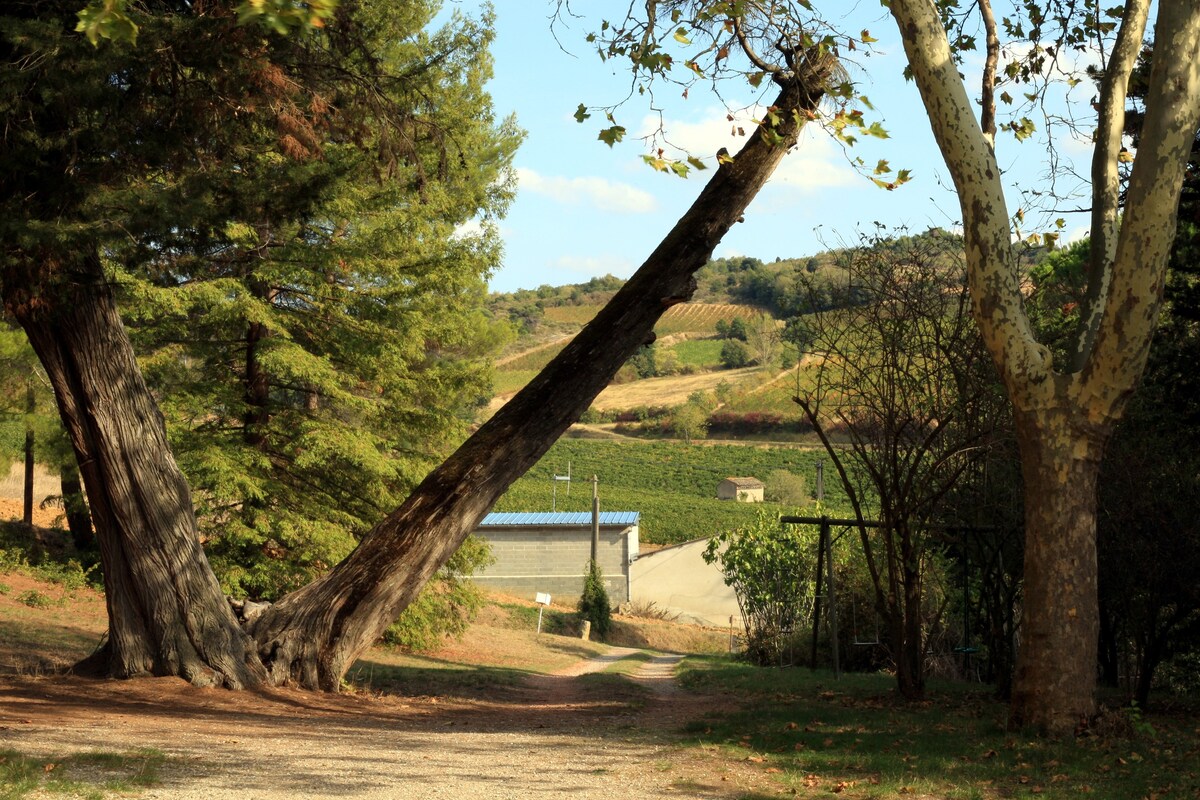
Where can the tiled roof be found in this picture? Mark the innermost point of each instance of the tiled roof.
(561, 518)
(746, 483)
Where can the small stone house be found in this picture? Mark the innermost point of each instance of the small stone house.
(743, 490)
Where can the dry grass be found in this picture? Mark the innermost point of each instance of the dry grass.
(12, 489)
(667, 391)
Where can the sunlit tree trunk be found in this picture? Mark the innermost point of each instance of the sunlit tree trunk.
(1066, 417)
(312, 636)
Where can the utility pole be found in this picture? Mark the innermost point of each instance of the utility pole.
(595, 520)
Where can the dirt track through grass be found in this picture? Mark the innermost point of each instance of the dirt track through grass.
(568, 735)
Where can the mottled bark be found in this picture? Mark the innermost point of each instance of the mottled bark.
(312, 636)
(1064, 419)
(167, 615)
(1054, 684)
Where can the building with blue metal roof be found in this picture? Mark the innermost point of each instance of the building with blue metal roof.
(548, 552)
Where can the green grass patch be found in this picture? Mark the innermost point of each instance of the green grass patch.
(83, 775)
(506, 381)
(630, 664)
(554, 621)
(701, 353)
(855, 738)
(773, 399)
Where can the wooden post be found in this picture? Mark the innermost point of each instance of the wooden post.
(27, 505)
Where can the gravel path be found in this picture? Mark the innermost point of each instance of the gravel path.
(555, 737)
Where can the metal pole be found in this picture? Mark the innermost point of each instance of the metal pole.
(817, 600)
(595, 519)
(832, 603)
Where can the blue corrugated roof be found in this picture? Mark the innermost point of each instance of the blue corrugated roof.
(561, 518)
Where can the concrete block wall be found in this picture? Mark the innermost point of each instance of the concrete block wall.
(553, 559)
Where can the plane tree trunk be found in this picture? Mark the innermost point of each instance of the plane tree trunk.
(312, 636)
(1064, 416)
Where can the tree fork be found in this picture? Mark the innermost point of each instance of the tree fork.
(312, 636)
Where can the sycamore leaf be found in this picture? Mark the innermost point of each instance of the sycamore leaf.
(679, 168)
(755, 78)
(106, 20)
(611, 136)
(581, 113)
(1022, 129)
(681, 36)
(882, 167)
(695, 162)
(876, 130)
(658, 164)
(867, 38)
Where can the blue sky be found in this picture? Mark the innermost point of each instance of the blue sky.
(584, 209)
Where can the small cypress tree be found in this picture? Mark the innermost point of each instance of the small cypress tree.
(593, 603)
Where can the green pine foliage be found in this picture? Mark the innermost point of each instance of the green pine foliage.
(301, 233)
(593, 603)
(326, 346)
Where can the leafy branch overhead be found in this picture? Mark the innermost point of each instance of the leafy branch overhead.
(679, 45)
(112, 19)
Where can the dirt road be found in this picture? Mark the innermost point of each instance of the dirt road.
(557, 736)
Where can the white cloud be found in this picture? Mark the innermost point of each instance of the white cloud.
(816, 162)
(468, 229)
(602, 193)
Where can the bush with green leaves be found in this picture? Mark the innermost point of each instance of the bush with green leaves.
(447, 605)
(771, 568)
(734, 354)
(593, 603)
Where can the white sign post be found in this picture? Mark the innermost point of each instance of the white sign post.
(542, 600)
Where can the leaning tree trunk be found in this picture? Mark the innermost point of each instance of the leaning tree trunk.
(312, 636)
(1055, 682)
(167, 615)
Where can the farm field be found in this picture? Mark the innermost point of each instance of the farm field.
(700, 317)
(672, 485)
(681, 332)
(700, 353)
(667, 391)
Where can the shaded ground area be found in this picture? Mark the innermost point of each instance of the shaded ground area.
(574, 734)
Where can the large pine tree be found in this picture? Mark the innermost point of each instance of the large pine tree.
(318, 349)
